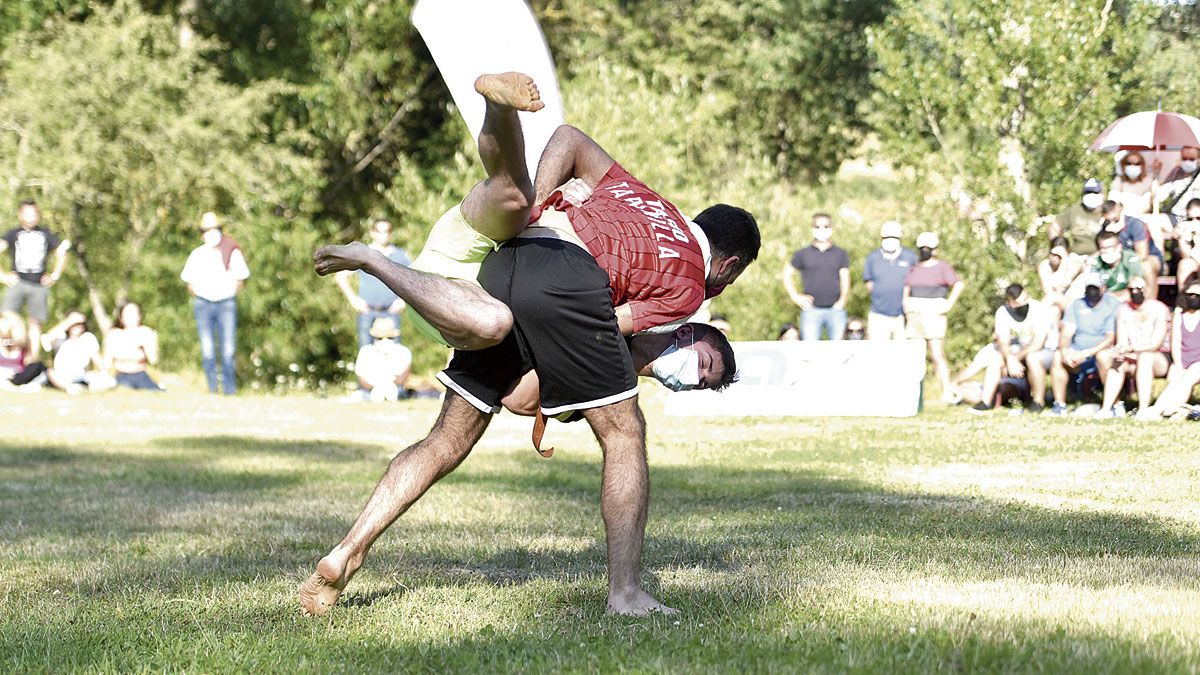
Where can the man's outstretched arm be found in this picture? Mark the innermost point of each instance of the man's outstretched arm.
(570, 153)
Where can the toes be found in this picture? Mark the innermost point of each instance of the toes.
(536, 106)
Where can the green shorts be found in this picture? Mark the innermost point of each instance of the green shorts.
(28, 295)
(453, 250)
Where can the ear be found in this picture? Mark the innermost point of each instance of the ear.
(727, 265)
(685, 332)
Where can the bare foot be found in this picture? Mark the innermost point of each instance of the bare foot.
(513, 90)
(320, 592)
(638, 603)
(330, 259)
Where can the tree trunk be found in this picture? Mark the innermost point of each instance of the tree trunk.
(95, 299)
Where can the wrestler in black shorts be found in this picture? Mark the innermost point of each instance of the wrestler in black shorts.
(565, 329)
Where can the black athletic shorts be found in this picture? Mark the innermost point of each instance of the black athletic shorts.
(564, 328)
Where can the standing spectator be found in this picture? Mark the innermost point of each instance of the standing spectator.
(1184, 374)
(825, 274)
(1133, 187)
(383, 366)
(1058, 274)
(1021, 328)
(373, 300)
(1188, 234)
(130, 347)
(1180, 185)
(884, 272)
(1116, 264)
(29, 284)
(1088, 328)
(1134, 236)
(1080, 223)
(214, 273)
(930, 291)
(1142, 346)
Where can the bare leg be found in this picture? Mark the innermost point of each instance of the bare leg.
(497, 207)
(1036, 373)
(1058, 379)
(1151, 269)
(624, 499)
(408, 476)
(991, 382)
(1149, 366)
(35, 340)
(939, 363)
(1113, 385)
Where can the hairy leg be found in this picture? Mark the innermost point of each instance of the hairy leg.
(1036, 373)
(498, 206)
(624, 499)
(409, 475)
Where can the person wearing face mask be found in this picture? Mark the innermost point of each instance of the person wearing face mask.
(1059, 274)
(1142, 350)
(855, 329)
(884, 272)
(373, 300)
(1187, 233)
(1022, 326)
(1135, 236)
(930, 290)
(1180, 184)
(824, 270)
(1184, 374)
(1088, 327)
(1134, 184)
(1116, 264)
(1080, 223)
(214, 273)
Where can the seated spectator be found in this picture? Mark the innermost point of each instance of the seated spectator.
(984, 357)
(1134, 185)
(130, 347)
(722, 324)
(1059, 274)
(855, 329)
(930, 291)
(12, 347)
(1142, 348)
(1088, 328)
(1187, 232)
(383, 366)
(1021, 328)
(788, 332)
(1184, 374)
(1180, 185)
(1134, 236)
(1115, 264)
(77, 366)
(1080, 223)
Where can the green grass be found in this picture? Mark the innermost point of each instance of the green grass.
(170, 532)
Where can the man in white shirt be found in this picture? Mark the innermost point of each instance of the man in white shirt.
(1022, 326)
(382, 366)
(214, 273)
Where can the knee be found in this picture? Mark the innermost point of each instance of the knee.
(492, 325)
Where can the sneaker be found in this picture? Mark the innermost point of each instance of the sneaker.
(953, 397)
(1105, 414)
(1148, 415)
(1034, 407)
(1119, 409)
(1057, 410)
(980, 408)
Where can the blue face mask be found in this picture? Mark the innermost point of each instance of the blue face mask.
(678, 369)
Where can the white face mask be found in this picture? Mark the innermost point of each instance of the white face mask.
(822, 235)
(677, 369)
(1188, 166)
(1133, 171)
(890, 245)
(1092, 201)
(1111, 257)
(212, 237)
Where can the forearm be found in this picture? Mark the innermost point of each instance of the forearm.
(624, 319)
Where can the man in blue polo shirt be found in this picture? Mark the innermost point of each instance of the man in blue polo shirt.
(374, 300)
(1088, 327)
(884, 272)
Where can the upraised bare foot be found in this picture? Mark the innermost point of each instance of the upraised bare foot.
(514, 90)
(638, 603)
(321, 591)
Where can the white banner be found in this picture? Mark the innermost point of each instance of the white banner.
(815, 379)
(470, 37)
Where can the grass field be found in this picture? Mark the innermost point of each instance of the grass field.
(143, 532)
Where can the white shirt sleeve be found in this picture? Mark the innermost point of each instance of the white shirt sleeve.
(237, 266)
(189, 270)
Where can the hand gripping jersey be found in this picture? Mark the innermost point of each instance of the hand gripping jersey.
(656, 261)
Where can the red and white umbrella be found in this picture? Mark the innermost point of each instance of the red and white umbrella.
(1149, 130)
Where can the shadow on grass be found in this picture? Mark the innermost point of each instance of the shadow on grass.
(231, 444)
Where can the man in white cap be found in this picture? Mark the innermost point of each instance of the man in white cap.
(1080, 223)
(1088, 328)
(884, 272)
(930, 291)
(383, 366)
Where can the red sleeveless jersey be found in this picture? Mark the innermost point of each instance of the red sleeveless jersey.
(653, 261)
